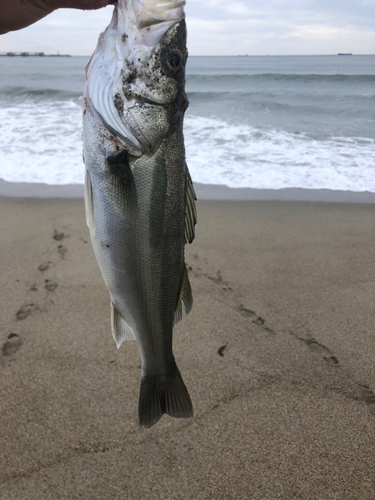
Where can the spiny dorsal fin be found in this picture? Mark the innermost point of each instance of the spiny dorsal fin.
(119, 183)
(89, 203)
(190, 209)
(120, 329)
(185, 296)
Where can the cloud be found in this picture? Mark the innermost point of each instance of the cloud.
(220, 27)
(275, 26)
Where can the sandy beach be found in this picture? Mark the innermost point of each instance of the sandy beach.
(287, 411)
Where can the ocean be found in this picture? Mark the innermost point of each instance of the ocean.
(261, 122)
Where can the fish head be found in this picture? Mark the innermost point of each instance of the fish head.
(135, 80)
(154, 53)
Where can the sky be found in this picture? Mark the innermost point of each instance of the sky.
(220, 27)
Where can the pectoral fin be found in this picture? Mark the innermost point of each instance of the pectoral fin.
(89, 203)
(119, 183)
(185, 297)
(190, 209)
(120, 329)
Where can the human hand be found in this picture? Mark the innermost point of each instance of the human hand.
(17, 14)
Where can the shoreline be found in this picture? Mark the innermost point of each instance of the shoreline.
(203, 191)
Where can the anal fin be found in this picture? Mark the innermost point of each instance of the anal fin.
(185, 297)
(120, 329)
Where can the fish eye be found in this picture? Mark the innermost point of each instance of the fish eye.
(174, 60)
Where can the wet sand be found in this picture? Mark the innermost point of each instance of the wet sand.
(286, 410)
(204, 192)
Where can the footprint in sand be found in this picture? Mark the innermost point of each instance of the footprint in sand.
(12, 344)
(247, 313)
(25, 311)
(62, 250)
(365, 394)
(43, 266)
(50, 285)
(217, 279)
(58, 236)
(319, 348)
(257, 320)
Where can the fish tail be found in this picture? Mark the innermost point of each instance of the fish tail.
(168, 396)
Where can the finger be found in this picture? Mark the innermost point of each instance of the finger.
(78, 4)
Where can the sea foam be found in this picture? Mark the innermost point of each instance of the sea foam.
(41, 141)
(266, 158)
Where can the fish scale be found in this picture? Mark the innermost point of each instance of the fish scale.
(140, 202)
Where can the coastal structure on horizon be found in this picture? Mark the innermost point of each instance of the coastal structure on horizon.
(32, 54)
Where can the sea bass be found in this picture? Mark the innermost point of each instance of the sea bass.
(139, 197)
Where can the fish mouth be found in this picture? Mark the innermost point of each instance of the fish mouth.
(163, 12)
(141, 24)
(152, 16)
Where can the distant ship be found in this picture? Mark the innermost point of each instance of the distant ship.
(344, 54)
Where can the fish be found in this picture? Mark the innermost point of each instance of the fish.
(139, 195)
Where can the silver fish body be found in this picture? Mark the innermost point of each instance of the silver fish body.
(140, 201)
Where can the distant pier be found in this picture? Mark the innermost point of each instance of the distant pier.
(31, 54)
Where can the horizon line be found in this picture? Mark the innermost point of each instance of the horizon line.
(37, 53)
(266, 55)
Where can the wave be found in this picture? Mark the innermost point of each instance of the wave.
(44, 141)
(25, 92)
(231, 81)
(287, 77)
(219, 152)
(261, 96)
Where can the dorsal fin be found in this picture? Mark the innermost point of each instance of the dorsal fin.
(185, 297)
(190, 209)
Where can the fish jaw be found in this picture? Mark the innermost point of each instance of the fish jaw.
(124, 72)
(142, 24)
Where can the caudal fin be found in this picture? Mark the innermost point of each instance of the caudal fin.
(167, 396)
